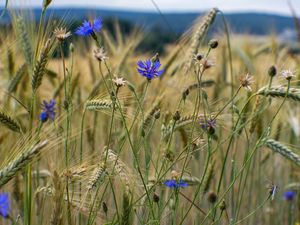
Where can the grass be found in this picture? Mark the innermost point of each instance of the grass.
(116, 144)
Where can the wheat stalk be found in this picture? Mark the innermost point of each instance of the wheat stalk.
(283, 150)
(25, 158)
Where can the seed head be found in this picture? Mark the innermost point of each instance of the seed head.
(288, 74)
(246, 82)
(119, 81)
(100, 54)
(207, 63)
(61, 34)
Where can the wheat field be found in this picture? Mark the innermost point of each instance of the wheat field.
(94, 131)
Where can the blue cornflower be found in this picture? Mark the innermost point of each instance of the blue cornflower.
(4, 204)
(208, 125)
(289, 195)
(175, 183)
(89, 28)
(149, 69)
(48, 111)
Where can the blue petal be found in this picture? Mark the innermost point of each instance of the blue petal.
(43, 116)
(141, 64)
(97, 25)
(156, 65)
(4, 204)
(148, 63)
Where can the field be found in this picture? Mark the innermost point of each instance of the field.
(94, 131)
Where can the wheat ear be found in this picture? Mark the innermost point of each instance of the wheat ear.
(9, 171)
(283, 150)
(10, 123)
(280, 92)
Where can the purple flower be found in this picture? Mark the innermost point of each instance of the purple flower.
(149, 69)
(89, 28)
(4, 204)
(208, 125)
(289, 195)
(48, 111)
(175, 184)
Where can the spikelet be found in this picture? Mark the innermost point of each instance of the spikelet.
(208, 177)
(127, 208)
(119, 167)
(9, 171)
(24, 40)
(56, 216)
(186, 120)
(40, 67)
(199, 34)
(14, 82)
(74, 174)
(256, 109)
(283, 150)
(97, 177)
(149, 115)
(95, 105)
(10, 123)
(292, 186)
(280, 92)
(204, 83)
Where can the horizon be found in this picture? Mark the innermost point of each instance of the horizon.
(280, 7)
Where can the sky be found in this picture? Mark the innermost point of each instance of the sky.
(271, 6)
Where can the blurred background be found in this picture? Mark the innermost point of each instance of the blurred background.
(165, 20)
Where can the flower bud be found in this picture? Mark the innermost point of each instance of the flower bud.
(272, 71)
(157, 114)
(212, 197)
(155, 198)
(176, 116)
(213, 43)
(199, 57)
(71, 47)
(222, 206)
(104, 207)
